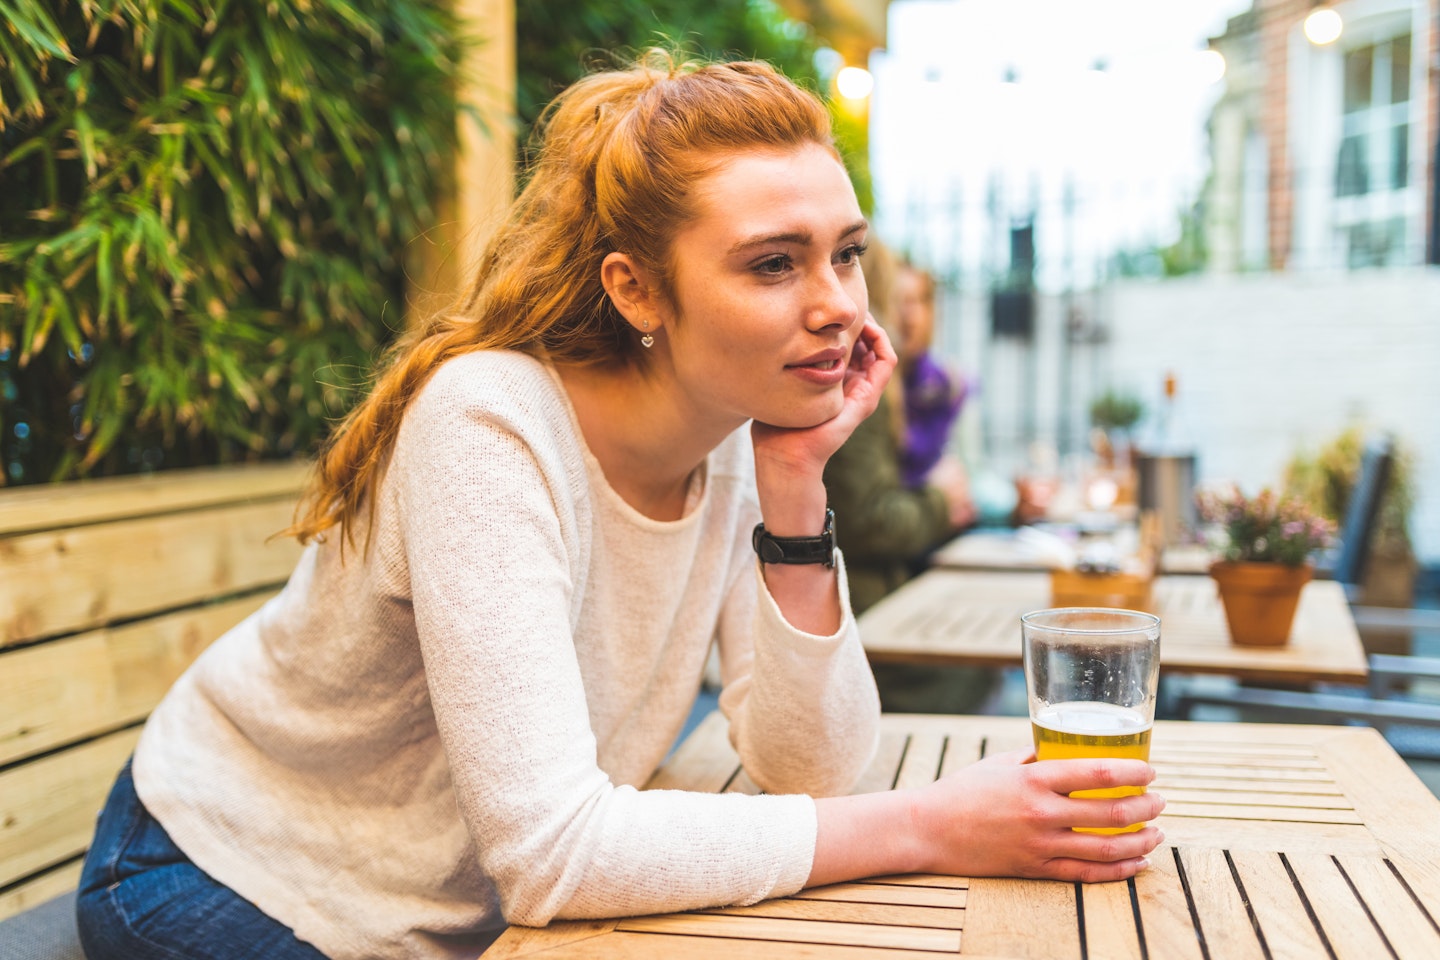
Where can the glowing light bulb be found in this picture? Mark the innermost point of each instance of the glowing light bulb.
(1323, 26)
(1210, 66)
(854, 83)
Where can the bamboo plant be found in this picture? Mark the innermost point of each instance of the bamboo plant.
(204, 210)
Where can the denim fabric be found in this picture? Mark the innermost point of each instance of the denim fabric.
(142, 899)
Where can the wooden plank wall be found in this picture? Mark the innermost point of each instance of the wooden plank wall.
(108, 590)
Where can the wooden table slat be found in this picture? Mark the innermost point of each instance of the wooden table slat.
(1343, 919)
(1110, 929)
(797, 931)
(887, 914)
(921, 763)
(880, 775)
(649, 946)
(1408, 930)
(704, 762)
(923, 880)
(1002, 918)
(1267, 813)
(1164, 910)
(1176, 793)
(953, 898)
(1288, 930)
(1269, 835)
(1221, 911)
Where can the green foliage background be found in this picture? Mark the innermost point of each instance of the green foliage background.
(203, 206)
(557, 43)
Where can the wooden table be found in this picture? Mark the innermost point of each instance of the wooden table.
(1281, 842)
(1006, 550)
(970, 617)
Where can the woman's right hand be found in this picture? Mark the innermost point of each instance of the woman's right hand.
(1011, 817)
(1005, 816)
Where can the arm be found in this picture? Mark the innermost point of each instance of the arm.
(803, 710)
(789, 478)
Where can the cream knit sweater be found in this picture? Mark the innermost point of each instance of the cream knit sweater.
(445, 732)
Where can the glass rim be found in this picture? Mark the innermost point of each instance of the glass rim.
(1142, 620)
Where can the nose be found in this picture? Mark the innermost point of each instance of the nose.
(833, 303)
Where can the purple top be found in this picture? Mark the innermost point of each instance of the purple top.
(932, 402)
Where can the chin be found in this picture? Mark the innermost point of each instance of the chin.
(812, 414)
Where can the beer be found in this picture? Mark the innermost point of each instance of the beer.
(1081, 730)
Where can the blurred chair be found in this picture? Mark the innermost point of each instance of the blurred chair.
(1410, 722)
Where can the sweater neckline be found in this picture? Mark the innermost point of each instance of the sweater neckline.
(697, 493)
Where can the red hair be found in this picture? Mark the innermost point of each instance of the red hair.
(619, 157)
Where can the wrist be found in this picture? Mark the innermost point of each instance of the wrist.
(791, 504)
(919, 838)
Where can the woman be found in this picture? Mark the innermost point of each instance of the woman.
(933, 395)
(522, 545)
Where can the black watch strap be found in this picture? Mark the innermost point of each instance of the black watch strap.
(773, 549)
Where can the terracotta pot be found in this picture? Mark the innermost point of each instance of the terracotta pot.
(1260, 600)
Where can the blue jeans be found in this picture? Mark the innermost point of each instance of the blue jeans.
(140, 898)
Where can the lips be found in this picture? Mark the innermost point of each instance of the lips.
(825, 368)
(824, 360)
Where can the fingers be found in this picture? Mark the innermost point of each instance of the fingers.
(1067, 776)
(1099, 859)
(1087, 871)
(1112, 813)
(1105, 848)
(875, 337)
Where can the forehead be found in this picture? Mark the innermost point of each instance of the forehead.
(761, 192)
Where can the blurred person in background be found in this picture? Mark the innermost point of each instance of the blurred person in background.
(933, 395)
(521, 546)
(900, 494)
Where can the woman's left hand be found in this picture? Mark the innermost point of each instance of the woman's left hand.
(806, 449)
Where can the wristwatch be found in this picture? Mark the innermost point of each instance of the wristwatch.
(773, 549)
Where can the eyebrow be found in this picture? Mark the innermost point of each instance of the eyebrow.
(801, 237)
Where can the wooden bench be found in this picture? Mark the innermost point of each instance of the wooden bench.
(108, 590)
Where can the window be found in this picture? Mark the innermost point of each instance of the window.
(1372, 165)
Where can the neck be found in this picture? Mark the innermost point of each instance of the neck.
(644, 434)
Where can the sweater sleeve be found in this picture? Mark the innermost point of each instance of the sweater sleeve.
(804, 713)
(878, 518)
(488, 552)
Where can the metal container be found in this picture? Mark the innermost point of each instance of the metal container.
(1167, 486)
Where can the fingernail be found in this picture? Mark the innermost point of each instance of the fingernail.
(1162, 837)
(1144, 863)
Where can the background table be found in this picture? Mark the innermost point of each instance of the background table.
(1007, 550)
(1281, 842)
(970, 617)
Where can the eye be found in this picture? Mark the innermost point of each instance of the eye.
(773, 266)
(852, 253)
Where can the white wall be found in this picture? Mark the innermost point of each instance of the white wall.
(1271, 363)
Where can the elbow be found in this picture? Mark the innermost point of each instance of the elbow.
(827, 769)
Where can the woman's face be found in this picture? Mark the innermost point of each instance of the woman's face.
(914, 315)
(768, 295)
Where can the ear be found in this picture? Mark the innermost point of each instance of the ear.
(630, 288)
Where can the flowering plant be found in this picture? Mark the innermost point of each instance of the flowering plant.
(1265, 528)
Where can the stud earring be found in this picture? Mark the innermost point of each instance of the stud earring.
(648, 340)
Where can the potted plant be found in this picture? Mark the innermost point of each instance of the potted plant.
(1266, 543)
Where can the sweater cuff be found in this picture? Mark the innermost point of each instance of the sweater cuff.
(795, 869)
